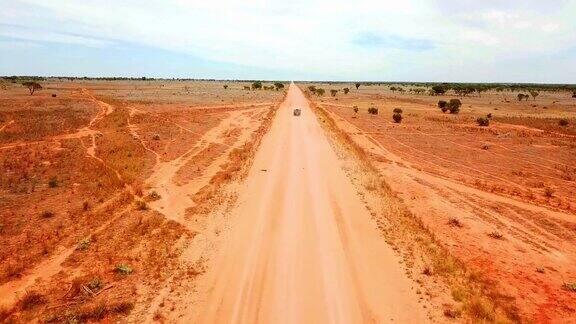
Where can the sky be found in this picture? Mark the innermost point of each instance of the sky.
(364, 40)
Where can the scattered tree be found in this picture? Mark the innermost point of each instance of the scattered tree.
(523, 96)
(256, 85)
(454, 106)
(534, 94)
(279, 85)
(438, 89)
(312, 89)
(346, 90)
(32, 86)
(356, 109)
(397, 110)
(373, 111)
(357, 85)
(320, 92)
(397, 117)
(225, 86)
(563, 122)
(333, 92)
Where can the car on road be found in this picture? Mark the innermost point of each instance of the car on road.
(297, 112)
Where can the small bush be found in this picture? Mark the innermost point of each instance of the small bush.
(397, 110)
(483, 121)
(549, 192)
(373, 111)
(31, 299)
(454, 106)
(489, 115)
(225, 86)
(346, 90)
(356, 109)
(84, 244)
(442, 104)
(156, 137)
(95, 284)
(397, 118)
(454, 222)
(85, 206)
(123, 269)
(333, 92)
(570, 286)
(47, 214)
(154, 195)
(563, 122)
(53, 95)
(496, 235)
(53, 182)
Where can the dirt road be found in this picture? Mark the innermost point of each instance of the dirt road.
(302, 248)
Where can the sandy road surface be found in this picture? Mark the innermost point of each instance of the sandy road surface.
(302, 247)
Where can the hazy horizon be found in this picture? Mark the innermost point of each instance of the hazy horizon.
(369, 41)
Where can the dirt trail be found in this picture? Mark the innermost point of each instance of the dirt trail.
(303, 248)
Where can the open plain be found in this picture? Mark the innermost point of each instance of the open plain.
(210, 202)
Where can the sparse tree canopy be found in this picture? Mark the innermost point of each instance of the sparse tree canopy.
(357, 85)
(256, 85)
(534, 94)
(32, 86)
(225, 86)
(346, 90)
(279, 85)
(312, 89)
(320, 92)
(397, 117)
(441, 104)
(397, 110)
(333, 92)
(373, 111)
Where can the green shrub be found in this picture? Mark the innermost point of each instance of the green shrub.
(123, 269)
(84, 244)
(256, 85)
(346, 90)
(373, 111)
(483, 121)
(397, 117)
(454, 106)
(442, 105)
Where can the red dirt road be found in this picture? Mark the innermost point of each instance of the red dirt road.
(302, 247)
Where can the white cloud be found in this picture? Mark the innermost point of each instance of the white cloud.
(310, 38)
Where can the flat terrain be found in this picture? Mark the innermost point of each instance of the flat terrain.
(500, 198)
(177, 201)
(104, 185)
